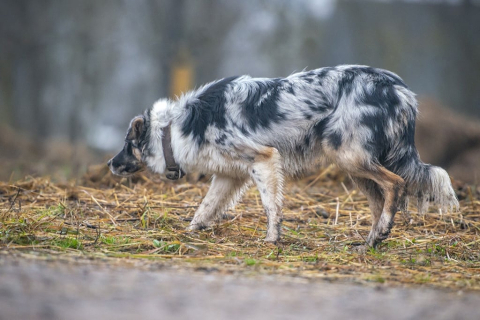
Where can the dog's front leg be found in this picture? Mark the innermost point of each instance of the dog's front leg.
(224, 191)
(267, 173)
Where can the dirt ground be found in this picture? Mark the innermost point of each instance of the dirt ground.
(59, 289)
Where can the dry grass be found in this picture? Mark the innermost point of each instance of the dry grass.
(325, 217)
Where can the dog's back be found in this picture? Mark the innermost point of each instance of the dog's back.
(323, 113)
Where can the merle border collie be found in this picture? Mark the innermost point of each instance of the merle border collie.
(243, 130)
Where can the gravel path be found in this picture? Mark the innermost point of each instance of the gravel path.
(31, 289)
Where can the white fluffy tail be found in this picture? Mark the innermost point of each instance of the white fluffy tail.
(432, 184)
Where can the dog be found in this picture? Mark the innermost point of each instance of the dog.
(243, 130)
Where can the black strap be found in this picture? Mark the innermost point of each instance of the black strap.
(173, 169)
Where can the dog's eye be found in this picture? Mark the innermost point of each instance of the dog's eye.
(130, 142)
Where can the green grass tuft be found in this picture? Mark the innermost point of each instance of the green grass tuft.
(68, 243)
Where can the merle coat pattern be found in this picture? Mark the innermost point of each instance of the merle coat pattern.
(243, 130)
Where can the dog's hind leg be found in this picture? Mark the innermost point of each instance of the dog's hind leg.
(267, 173)
(224, 192)
(375, 199)
(393, 187)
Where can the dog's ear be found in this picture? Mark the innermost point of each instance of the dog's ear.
(136, 128)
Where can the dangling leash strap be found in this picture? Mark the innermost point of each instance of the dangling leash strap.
(173, 169)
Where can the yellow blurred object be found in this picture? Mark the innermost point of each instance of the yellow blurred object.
(182, 74)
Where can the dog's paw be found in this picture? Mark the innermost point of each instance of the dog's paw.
(361, 249)
(194, 226)
(271, 239)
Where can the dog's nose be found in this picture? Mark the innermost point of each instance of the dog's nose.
(109, 162)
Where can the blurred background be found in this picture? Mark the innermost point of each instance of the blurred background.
(73, 73)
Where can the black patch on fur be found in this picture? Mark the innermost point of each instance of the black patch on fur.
(208, 109)
(260, 108)
(291, 90)
(317, 107)
(308, 79)
(324, 72)
(345, 85)
(307, 140)
(382, 94)
(378, 144)
(221, 140)
(308, 103)
(383, 97)
(409, 134)
(307, 115)
(300, 149)
(409, 154)
(320, 127)
(335, 140)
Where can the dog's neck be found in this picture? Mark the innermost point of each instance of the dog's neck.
(173, 170)
(161, 142)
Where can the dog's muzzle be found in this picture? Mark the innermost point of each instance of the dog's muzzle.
(124, 165)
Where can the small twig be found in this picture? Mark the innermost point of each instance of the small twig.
(345, 188)
(99, 233)
(80, 224)
(89, 225)
(336, 211)
(13, 201)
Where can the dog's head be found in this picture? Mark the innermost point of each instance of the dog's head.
(129, 160)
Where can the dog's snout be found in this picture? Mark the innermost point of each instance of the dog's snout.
(109, 163)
